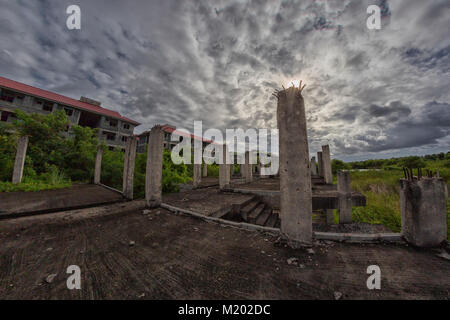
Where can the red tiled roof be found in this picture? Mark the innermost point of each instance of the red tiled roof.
(170, 129)
(23, 88)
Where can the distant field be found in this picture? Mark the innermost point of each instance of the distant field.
(382, 190)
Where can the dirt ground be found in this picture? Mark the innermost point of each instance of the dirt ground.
(180, 257)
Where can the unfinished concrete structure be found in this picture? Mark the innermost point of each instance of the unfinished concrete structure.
(205, 170)
(326, 165)
(98, 165)
(345, 197)
(19, 162)
(224, 168)
(319, 164)
(313, 166)
(153, 175)
(128, 168)
(295, 172)
(423, 210)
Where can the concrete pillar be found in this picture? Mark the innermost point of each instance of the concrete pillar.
(205, 169)
(295, 173)
(422, 205)
(128, 168)
(153, 175)
(248, 168)
(98, 165)
(326, 163)
(345, 197)
(19, 162)
(224, 169)
(231, 170)
(313, 166)
(330, 216)
(197, 175)
(242, 169)
(319, 164)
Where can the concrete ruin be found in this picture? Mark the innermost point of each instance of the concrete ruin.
(20, 159)
(423, 211)
(153, 175)
(98, 165)
(295, 172)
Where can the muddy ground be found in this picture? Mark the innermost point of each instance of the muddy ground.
(181, 257)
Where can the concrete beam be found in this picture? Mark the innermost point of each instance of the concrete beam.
(326, 163)
(313, 166)
(248, 168)
(319, 164)
(205, 169)
(19, 162)
(224, 169)
(197, 175)
(98, 165)
(424, 213)
(295, 173)
(153, 176)
(345, 197)
(128, 170)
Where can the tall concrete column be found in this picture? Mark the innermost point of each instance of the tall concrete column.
(153, 175)
(224, 169)
(197, 175)
(345, 197)
(319, 164)
(313, 166)
(231, 170)
(205, 169)
(295, 173)
(248, 167)
(98, 165)
(423, 210)
(19, 162)
(128, 168)
(326, 163)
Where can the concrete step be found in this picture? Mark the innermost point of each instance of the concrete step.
(252, 216)
(247, 209)
(263, 217)
(272, 221)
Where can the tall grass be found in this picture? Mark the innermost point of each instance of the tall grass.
(382, 191)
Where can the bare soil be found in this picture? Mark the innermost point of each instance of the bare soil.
(180, 257)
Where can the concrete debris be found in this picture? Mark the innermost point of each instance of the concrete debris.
(145, 212)
(293, 261)
(310, 251)
(131, 243)
(444, 255)
(337, 295)
(50, 277)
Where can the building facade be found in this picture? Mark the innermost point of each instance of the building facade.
(113, 129)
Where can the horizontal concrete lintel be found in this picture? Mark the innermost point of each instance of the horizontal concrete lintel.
(358, 237)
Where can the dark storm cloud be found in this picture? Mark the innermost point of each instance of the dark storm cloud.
(219, 61)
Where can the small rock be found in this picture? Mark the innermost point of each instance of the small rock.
(145, 212)
(49, 249)
(293, 261)
(131, 243)
(263, 252)
(51, 277)
(444, 255)
(195, 229)
(302, 266)
(310, 251)
(141, 295)
(158, 212)
(337, 295)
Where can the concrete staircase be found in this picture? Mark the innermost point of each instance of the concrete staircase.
(257, 212)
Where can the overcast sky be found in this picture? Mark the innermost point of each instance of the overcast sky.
(369, 94)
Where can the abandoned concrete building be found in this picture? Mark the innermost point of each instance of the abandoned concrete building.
(114, 129)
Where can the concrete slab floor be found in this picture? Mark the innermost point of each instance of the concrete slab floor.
(180, 257)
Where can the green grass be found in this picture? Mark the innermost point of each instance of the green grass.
(32, 186)
(382, 191)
